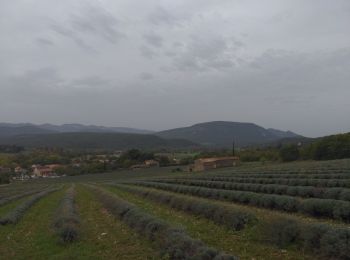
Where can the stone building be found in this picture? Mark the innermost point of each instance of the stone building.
(214, 163)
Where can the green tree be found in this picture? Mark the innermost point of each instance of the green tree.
(332, 147)
(4, 177)
(289, 153)
(163, 160)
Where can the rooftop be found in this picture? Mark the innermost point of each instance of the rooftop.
(214, 159)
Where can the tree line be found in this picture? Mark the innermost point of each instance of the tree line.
(326, 148)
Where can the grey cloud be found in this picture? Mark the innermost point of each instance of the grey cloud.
(146, 76)
(181, 13)
(98, 21)
(147, 52)
(161, 16)
(314, 71)
(39, 77)
(44, 42)
(208, 52)
(46, 85)
(89, 23)
(153, 39)
(68, 33)
(91, 82)
(62, 31)
(32, 85)
(289, 99)
(282, 64)
(178, 44)
(170, 53)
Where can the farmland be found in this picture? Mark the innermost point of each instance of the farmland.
(297, 210)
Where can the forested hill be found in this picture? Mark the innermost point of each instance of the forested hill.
(115, 141)
(9, 130)
(222, 133)
(215, 134)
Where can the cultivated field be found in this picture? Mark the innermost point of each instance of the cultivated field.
(281, 211)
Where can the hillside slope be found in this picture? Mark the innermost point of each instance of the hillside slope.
(27, 128)
(72, 128)
(8, 131)
(222, 134)
(113, 141)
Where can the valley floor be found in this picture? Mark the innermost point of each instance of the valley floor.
(279, 211)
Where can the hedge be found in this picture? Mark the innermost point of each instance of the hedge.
(173, 241)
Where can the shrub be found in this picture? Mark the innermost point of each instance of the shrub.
(345, 195)
(332, 193)
(67, 221)
(282, 231)
(336, 242)
(317, 207)
(341, 211)
(331, 242)
(311, 235)
(289, 153)
(326, 208)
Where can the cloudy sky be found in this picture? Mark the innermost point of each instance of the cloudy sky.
(163, 64)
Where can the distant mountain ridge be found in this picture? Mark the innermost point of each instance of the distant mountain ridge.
(27, 128)
(222, 134)
(283, 134)
(210, 134)
(71, 128)
(102, 141)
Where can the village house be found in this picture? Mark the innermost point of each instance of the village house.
(146, 164)
(20, 170)
(152, 163)
(45, 170)
(20, 174)
(214, 163)
(138, 166)
(5, 169)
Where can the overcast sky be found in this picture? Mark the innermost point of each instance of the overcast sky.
(163, 64)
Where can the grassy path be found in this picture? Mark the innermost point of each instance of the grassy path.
(106, 237)
(242, 243)
(102, 236)
(31, 238)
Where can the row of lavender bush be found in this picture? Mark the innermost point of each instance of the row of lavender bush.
(17, 213)
(335, 209)
(67, 220)
(173, 241)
